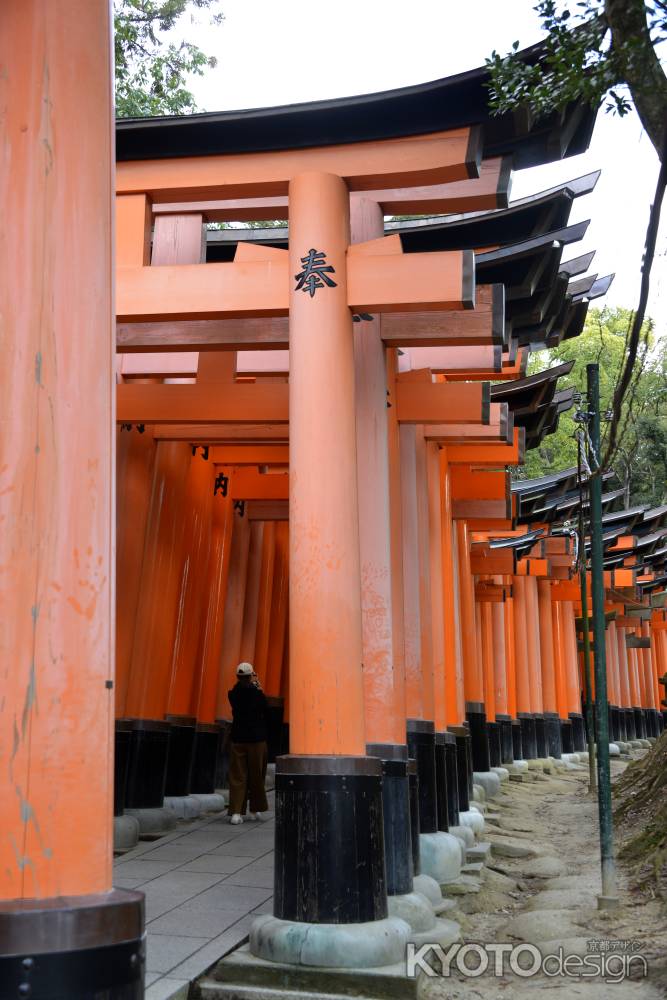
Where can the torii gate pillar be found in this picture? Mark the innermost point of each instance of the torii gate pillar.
(329, 859)
(63, 929)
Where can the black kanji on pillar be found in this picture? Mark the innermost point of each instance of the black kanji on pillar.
(315, 272)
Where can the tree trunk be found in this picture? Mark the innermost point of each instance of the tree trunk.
(639, 66)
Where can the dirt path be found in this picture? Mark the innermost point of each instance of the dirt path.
(555, 818)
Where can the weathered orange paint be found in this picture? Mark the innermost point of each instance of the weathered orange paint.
(510, 656)
(624, 668)
(396, 535)
(435, 570)
(571, 664)
(194, 556)
(499, 655)
(233, 617)
(488, 658)
(134, 477)
(440, 402)
(454, 693)
(157, 607)
(649, 672)
(436, 158)
(326, 683)
(264, 600)
(418, 695)
(207, 676)
(549, 698)
(523, 700)
(384, 694)
(133, 230)
(57, 464)
(202, 404)
(533, 636)
(472, 668)
(252, 585)
(279, 609)
(559, 659)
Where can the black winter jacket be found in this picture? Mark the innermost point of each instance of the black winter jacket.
(248, 714)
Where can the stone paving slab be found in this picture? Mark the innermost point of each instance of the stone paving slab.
(204, 883)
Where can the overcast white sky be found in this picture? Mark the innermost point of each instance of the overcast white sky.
(286, 51)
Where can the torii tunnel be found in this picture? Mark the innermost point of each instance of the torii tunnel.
(283, 446)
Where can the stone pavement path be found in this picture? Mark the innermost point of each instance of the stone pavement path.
(204, 883)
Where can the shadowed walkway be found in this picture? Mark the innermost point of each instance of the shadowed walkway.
(204, 883)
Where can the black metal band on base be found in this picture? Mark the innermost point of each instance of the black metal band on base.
(421, 748)
(566, 736)
(476, 719)
(205, 760)
(413, 786)
(181, 754)
(506, 747)
(452, 779)
(122, 741)
(578, 732)
(528, 737)
(630, 727)
(329, 846)
(73, 947)
(540, 736)
(395, 815)
(147, 768)
(552, 727)
(495, 750)
(517, 740)
(463, 766)
(441, 782)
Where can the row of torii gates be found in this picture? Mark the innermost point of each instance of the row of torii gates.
(311, 471)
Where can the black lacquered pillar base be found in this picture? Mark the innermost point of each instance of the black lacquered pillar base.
(664, 718)
(181, 754)
(622, 727)
(274, 725)
(495, 752)
(540, 736)
(396, 816)
(421, 748)
(640, 723)
(476, 719)
(122, 742)
(222, 766)
(413, 786)
(147, 768)
(205, 760)
(506, 744)
(452, 779)
(661, 721)
(73, 947)
(613, 724)
(441, 782)
(630, 727)
(463, 766)
(566, 736)
(578, 732)
(517, 740)
(329, 853)
(528, 738)
(552, 726)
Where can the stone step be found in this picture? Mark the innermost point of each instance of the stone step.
(243, 977)
(472, 868)
(461, 886)
(480, 852)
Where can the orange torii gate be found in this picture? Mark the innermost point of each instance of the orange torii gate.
(366, 546)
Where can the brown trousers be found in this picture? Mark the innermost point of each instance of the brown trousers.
(247, 771)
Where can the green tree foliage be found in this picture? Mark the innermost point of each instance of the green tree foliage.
(151, 67)
(640, 462)
(601, 51)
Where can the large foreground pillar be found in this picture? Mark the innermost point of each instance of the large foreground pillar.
(64, 932)
(329, 862)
